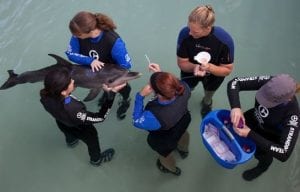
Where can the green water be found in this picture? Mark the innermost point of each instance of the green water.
(33, 155)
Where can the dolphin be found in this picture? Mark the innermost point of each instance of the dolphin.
(110, 74)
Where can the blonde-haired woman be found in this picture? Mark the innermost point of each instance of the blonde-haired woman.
(201, 35)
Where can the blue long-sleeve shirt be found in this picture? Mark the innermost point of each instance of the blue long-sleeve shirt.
(119, 52)
(145, 119)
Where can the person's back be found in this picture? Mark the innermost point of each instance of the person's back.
(166, 117)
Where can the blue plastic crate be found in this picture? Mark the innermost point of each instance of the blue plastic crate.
(242, 148)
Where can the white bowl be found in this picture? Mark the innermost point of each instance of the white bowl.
(203, 57)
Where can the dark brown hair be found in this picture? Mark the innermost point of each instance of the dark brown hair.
(84, 22)
(166, 84)
(55, 82)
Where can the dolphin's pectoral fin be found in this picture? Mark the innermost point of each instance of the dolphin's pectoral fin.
(92, 94)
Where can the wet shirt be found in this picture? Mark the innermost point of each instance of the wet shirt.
(117, 52)
(280, 123)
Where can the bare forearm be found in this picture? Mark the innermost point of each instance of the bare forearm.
(222, 70)
(185, 65)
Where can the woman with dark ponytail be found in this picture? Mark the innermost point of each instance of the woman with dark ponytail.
(166, 117)
(71, 115)
(94, 42)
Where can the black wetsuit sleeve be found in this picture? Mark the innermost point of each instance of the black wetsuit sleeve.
(80, 116)
(288, 139)
(243, 84)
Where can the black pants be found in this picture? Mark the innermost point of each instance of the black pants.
(124, 92)
(209, 82)
(264, 158)
(166, 141)
(88, 135)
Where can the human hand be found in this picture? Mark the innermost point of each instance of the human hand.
(242, 132)
(96, 65)
(146, 90)
(113, 89)
(236, 115)
(205, 66)
(154, 67)
(198, 71)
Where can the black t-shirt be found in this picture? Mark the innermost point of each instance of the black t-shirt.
(218, 43)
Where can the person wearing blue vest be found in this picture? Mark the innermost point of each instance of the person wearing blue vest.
(200, 35)
(166, 117)
(94, 43)
(273, 122)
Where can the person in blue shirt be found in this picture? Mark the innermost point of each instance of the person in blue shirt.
(94, 43)
(166, 117)
(71, 115)
(202, 36)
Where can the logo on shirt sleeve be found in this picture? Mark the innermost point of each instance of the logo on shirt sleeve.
(81, 116)
(294, 121)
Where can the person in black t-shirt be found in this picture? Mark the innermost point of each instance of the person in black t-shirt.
(202, 36)
(273, 123)
(71, 115)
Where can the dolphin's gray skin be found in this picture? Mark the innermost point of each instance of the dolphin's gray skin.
(110, 74)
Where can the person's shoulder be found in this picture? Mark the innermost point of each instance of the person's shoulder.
(220, 30)
(112, 33)
(184, 32)
(295, 106)
(222, 34)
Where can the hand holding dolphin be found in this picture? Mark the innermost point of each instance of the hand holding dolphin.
(96, 65)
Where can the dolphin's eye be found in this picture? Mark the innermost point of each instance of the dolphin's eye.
(110, 81)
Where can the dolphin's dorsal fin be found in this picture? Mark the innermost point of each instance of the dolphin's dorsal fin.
(11, 73)
(60, 60)
(92, 94)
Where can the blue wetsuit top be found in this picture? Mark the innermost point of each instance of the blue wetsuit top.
(145, 119)
(118, 52)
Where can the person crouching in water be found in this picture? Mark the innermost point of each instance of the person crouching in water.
(166, 117)
(71, 115)
(273, 123)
